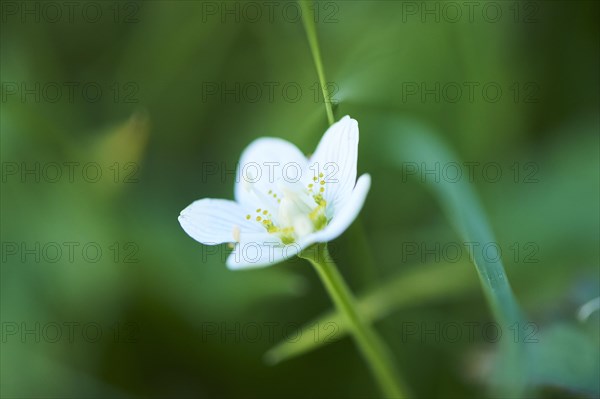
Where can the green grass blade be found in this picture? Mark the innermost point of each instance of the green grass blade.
(416, 146)
(464, 212)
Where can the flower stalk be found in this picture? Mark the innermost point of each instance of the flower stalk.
(370, 344)
(311, 33)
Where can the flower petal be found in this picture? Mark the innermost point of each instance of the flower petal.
(267, 252)
(263, 165)
(346, 215)
(336, 157)
(212, 221)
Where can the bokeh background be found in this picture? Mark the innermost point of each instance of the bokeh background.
(161, 97)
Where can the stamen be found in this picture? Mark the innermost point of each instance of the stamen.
(300, 211)
(236, 233)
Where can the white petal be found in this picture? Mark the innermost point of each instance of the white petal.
(261, 253)
(336, 157)
(264, 163)
(212, 221)
(346, 215)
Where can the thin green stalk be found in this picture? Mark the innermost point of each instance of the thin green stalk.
(308, 21)
(370, 344)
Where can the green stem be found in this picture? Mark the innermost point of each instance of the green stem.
(372, 347)
(370, 344)
(308, 21)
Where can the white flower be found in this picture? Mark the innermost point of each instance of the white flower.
(284, 202)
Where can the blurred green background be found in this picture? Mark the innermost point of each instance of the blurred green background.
(154, 94)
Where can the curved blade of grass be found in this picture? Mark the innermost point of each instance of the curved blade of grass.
(416, 146)
(425, 283)
(458, 199)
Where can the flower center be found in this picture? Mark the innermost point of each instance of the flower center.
(295, 212)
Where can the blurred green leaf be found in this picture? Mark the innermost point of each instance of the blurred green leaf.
(425, 283)
(566, 357)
